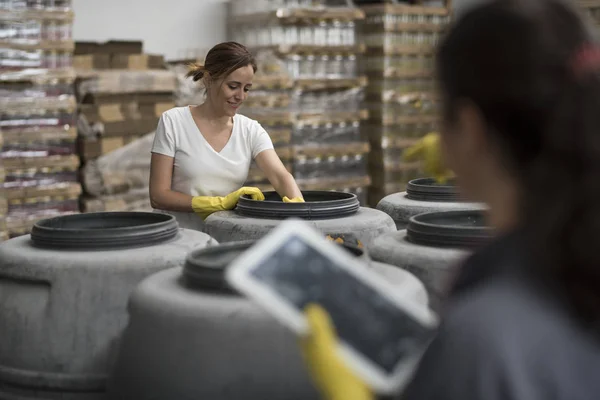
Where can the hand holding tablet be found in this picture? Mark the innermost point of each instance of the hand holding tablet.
(382, 333)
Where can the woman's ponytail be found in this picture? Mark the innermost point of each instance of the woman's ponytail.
(196, 71)
(563, 202)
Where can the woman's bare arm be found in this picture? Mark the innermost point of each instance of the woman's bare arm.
(284, 183)
(161, 195)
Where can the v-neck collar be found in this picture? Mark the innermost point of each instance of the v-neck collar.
(189, 113)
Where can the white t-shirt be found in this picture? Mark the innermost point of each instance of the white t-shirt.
(198, 170)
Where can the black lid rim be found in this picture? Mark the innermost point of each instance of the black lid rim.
(420, 231)
(421, 219)
(201, 273)
(341, 204)
(159, 227)
(192, 262)
(426, 189)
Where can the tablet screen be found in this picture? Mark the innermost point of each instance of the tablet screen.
(365, 320)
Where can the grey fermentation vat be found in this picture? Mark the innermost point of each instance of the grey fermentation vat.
(337, 214)
(63, 297)
(421, 196)
(191, 336)
(432, 246)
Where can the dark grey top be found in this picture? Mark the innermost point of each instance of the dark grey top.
(501, 339)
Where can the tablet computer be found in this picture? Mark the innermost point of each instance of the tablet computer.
(382, 332)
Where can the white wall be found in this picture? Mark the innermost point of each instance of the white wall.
(174, 28)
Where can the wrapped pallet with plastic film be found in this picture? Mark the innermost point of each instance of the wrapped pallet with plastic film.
(314, 124)
(38, 154)
(118, 181)
(401, 95)
(116, 107)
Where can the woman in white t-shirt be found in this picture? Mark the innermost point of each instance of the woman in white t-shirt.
(201, 154)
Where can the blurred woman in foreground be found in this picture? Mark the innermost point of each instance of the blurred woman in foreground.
(520, 87)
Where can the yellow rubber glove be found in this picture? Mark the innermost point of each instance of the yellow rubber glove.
(331, 377)
(294, 200)
(206, 205)
(429, 150)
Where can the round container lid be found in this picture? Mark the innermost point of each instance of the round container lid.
(317, 205)
(464, 229)
(205, 268)
(428, 189)
(104, 230)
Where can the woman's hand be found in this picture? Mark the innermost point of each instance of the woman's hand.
(294, 200)
(329, 373)
(204, 206)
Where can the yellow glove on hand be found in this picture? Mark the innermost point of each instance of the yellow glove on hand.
(429, 150)
(206, 205)
(294, 200)
(331, 377)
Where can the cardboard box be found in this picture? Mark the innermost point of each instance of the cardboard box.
(92, 149)
(110, 112)
(109, 47)
(123, 47)
(137, 62)
(124, 81)
(91, 61)
(140, 98)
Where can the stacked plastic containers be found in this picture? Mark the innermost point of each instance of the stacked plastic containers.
(37, 107)
(309, 92)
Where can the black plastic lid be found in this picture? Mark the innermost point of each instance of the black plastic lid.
(464, 229)
(428, 189)
(104, 230)
(317, 205)
(205, 268)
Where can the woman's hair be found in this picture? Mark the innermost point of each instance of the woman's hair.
(531, 69)
(222, 60)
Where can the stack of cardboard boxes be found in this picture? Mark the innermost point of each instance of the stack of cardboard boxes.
(121, 94)
(38, 177)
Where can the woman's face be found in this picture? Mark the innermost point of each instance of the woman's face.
(228, 94)
(466, 151)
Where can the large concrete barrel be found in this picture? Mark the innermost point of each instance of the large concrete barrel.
(64, 292)
(432, 246)
(423, 195)
(336, 214)
(190, 336)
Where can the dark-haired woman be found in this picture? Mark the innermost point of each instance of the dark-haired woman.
(201, 154)
(520, 85)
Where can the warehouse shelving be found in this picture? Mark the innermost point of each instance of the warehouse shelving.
(39, 176)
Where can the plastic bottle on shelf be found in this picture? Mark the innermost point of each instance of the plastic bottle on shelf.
(336, 67)
(306, 34)
(334, 34)
(293, 65)
(291, 35)
(330, 167)
(320, 33)
(350, 66)
(355, 135)
(322, 66)
(308, 66)
(350, 36)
